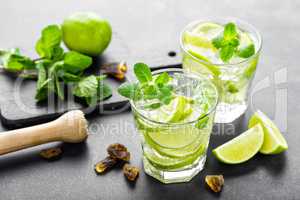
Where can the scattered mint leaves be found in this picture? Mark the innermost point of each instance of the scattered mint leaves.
(148, 88)
(228, 42)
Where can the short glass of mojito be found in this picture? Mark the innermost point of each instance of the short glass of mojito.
(227, 52)
(175, 135)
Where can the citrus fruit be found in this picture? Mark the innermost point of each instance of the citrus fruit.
(274, 142)
(87, 33)
(241, 148)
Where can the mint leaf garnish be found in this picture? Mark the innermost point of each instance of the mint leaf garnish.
(230, 31)
(228, 42)
(247, 51)
(130, 90)
(163, 78)
(218, 42)
(142, 72)
(148, 88)
(226, 53)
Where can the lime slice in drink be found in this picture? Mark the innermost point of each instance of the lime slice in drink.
(169, 163)
(241, 148)
(208, 29)
(198, 40)
(274, 142)
(181, 107)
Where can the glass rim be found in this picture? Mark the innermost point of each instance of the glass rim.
(195, 22)
(213, 108)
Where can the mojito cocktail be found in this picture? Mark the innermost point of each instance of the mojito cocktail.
(228, 54)
(175, 127)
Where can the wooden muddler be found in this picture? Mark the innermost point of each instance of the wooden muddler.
(70, 127)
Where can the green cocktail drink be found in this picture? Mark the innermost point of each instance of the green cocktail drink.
(175, 135)
(228, 54)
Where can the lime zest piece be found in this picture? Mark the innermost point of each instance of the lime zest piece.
(241, 148)
(274, 141)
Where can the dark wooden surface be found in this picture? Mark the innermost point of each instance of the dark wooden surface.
(147, 31)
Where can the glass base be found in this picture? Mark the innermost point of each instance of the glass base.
(180, 176)
(226, 113)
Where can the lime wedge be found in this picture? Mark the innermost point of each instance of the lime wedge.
(274, 142)
(182, 109)
(241, 148)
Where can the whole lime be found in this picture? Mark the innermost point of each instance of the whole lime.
(87, 33)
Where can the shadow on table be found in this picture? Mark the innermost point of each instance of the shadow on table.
(18, 161)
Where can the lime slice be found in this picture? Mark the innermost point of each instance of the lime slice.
(182, 109)
(210, 68)
(168, 163)
(198, 41)
(274, 142)
(208, 29)
(241, 148)
(174, 138)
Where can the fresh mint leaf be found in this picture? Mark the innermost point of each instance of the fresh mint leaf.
(103, 92)
(12, 61)
(165, 95)
(101, 77)
(18, 63)
(86, 87)
(58, 88)
(130, 91)
(230, 31)
(68, 77)
(76, 62)
(218, 41)
(247, 51)
(48, 45)
(150, 92)
(42, 83)
(142, 72)
(226, 53)
(234, 42)
(162, 79)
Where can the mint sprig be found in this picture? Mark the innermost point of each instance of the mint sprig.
(148, 87)
(55, 67)
(228, 44)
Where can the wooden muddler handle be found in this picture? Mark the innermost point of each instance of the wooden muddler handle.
(70, 127)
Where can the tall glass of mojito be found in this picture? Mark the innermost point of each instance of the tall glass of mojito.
(175, 126)
(227, 52)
